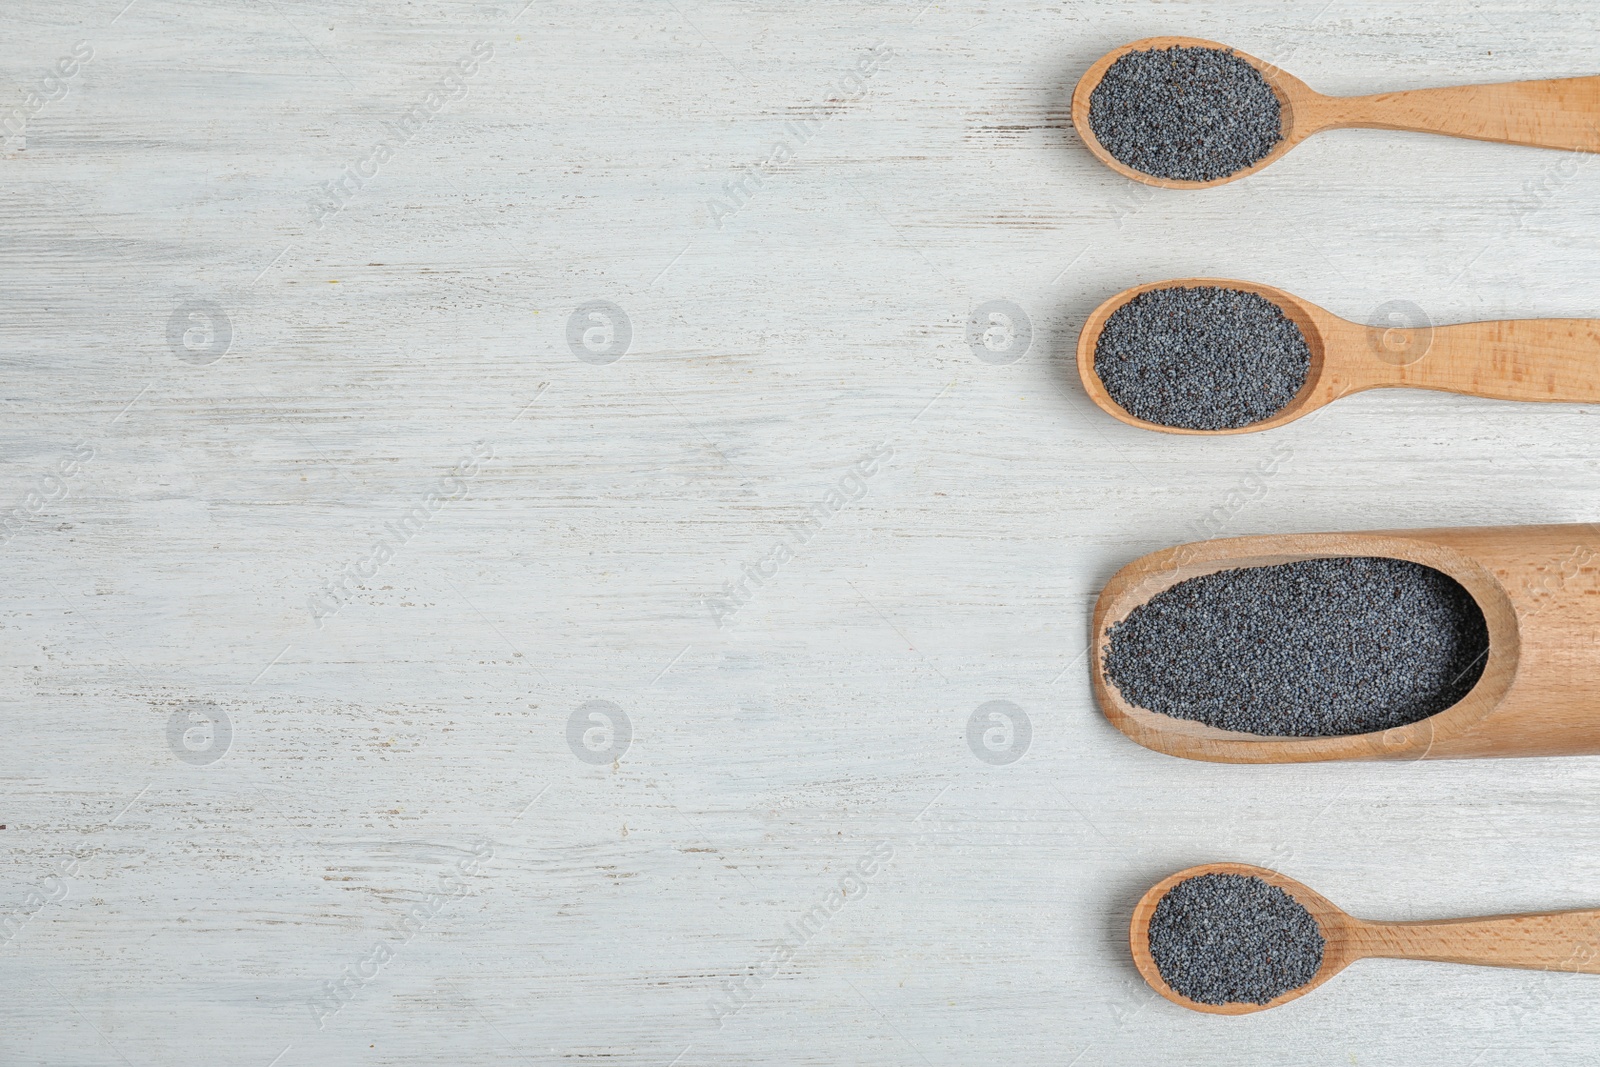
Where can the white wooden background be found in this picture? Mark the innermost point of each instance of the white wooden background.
(385, 809)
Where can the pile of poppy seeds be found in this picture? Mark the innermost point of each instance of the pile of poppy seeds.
(1202, 357)
(1315, 648)
(1190, 114)
(1233, 939)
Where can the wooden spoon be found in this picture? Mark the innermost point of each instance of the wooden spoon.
(1548, 941)
(1539, 695)
(1513, 359)
(1555, 113)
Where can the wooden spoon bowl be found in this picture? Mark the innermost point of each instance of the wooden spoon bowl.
(1551, 113)
(1539, 695)
(1538, 360)
(1560, 940)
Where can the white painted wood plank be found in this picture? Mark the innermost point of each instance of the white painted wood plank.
(410, 754)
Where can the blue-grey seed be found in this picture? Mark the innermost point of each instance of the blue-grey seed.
(1233, 939)
(1191, 114)
(1314, 648)
(1201, 357)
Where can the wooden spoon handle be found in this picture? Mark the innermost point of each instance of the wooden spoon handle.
(1517, 359)
(1555, 941)
(1560, 113)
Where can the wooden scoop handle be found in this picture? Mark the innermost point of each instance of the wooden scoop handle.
(1559, 113)
(1554, 941)
(1517, 359)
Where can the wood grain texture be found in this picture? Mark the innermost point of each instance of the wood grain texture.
(1528, 360)
(1564, 942)
(1562, 113)
(371, 759)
